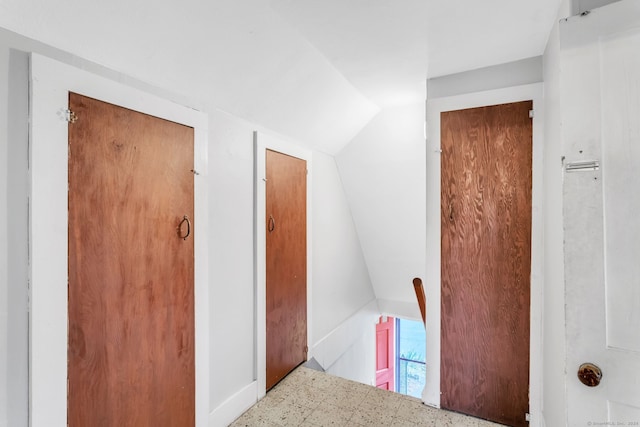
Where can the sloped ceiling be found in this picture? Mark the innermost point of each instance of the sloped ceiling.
(387, 49)
(314, 70)
(466, 34)
(380, 46)
(238, 56)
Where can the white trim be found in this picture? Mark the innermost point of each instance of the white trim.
(330, 348)
(234, 406)
(262, 142)
(51, 82)
(431, 394)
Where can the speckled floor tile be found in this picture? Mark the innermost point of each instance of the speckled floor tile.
(387, 401)
(301, 400)
(310, 392)
(402, 422)
(451, 419)
(413, 410)
(329, 415)
(288, 415)
(368, 417)
(309, 398)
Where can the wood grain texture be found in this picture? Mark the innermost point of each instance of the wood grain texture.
(418, 287)
(131, 277)
(486, 261)
(286, 263)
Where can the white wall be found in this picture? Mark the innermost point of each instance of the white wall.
(343, 286)
(13, 237)
(343, 339)
(383, 173)
(340, 276)
(4, 245)
(525, 71)
(350, 350)
(554, 376)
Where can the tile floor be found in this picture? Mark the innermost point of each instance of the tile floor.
(309, 398)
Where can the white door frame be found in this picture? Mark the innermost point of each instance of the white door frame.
(51, 82)
(263, 142)
(431, 394)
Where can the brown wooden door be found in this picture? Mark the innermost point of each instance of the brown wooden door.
(286, 287)
(131, 275)
(486, 261)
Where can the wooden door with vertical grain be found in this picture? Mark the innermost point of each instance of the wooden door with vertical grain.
(486, 261)
(286, 263)
(131, 269)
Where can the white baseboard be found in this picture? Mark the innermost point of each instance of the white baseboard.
(331, 347)
(234, 406)
(349, 350)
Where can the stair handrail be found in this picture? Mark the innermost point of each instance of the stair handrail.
(422, 301)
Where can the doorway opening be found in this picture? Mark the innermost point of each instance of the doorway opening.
(401, 355)
(411, 371)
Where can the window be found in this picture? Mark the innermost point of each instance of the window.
(410, 357)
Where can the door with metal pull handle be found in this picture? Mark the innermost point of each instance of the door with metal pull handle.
(184, 235)
(272, 224)
(285, 222)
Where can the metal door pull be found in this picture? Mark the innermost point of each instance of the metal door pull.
(184, 219)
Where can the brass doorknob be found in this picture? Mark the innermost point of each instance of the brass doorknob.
(589, 374)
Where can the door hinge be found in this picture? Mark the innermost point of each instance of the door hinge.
(306, 349)
(532, 114)
(70, 116)
(527, 417)
(29, 295)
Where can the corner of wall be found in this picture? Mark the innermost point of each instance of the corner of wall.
(16, 364)
(348, 351)
(553, 410)
(4, 247)
(234, 406)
